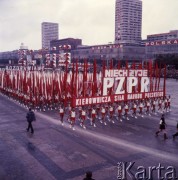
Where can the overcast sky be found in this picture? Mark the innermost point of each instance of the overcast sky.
(90, 20)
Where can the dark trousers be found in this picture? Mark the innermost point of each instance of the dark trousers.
(30, 127)
(176, 134)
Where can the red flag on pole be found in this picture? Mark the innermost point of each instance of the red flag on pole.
(103, 73)
(94, 85)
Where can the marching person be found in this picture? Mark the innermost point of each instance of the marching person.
(103, 113)
(98, 111)
(89, 112)
(80, 112)
(83, 118)
(106, 110)
(154, 106)
(119, 110)
(56, 100)
(111, 111)
(134, 114)
(41, 103)
(144, 104)
(169, 103)
(126, 108)
(93, 117)
(50, 103)
(30, 118)
(165, 104)
(160, 105)
(176, 134)
(141, 109)
(61, 113)
(69, 112)
(148, 108)
(72, 119)
(162, 127)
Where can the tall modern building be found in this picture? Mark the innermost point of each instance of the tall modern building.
(49, 32)
(128, 21)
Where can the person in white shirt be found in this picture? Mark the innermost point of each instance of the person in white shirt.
(126, 108)
(83, 118)
(134, 108)
(103, 113)
(160, 105)
(154, 106)
(165, 104)
(148, 107)
(169, 103)
(93, 117)
(119, 110)
(72, 117)
(141, 109)
(61, 113)
(111, 111)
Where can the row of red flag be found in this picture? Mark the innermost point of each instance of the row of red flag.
(48, 87)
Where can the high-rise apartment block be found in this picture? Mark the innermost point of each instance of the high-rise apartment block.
(128, 21)
(49, 32)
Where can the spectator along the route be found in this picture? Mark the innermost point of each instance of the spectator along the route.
(30, 118)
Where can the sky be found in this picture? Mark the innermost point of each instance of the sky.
(93, 21)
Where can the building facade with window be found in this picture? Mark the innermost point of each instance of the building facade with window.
(109, 51)
(161, 44)
(128, 21)
(56, 44)
(49, 32)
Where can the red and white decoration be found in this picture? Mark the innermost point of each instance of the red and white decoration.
(76, 84)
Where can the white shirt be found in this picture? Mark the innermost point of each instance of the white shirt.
(111, 109)
(93, 111)
(83, 113)
(73, 114)
(103, 110)
(126, 107)
(119, 108)
(61, 110)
